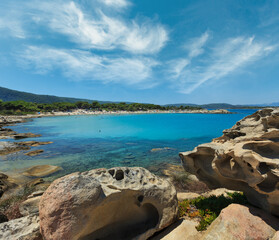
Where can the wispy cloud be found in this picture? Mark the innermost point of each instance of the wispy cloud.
(196, 45)
(94, 28)
(83, 65)
(98, 30)
(225, 58)
(194, 48)
(12, 27)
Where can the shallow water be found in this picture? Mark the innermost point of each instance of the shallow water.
(86, 142)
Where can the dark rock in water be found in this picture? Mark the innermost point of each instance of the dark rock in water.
(26, 135)
(125, 162)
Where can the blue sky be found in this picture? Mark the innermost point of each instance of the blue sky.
(156, 51)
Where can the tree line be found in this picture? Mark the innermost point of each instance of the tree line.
(22, 107)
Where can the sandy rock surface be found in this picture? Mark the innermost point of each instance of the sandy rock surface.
(241, 222)
(183, 229)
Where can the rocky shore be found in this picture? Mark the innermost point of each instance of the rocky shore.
(132, 203)
(7, 133)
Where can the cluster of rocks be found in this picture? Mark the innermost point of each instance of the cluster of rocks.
(126, 203)
(12, 147)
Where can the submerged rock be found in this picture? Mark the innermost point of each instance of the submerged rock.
(245, 158)
(41, 170)
(119, 203)
(34, 153)
(242, 222)
(33, 143)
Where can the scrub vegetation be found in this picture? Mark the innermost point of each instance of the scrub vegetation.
(22, 107)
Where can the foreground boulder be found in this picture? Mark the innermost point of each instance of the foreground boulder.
(242, 222)
(119, 203)
(245, 158)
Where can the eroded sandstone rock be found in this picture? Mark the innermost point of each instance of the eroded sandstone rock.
(242, 222)
(119, 203)
(245, 158)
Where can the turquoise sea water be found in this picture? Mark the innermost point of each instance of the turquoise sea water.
(81, 143)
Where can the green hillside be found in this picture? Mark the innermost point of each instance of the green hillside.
(13, 95)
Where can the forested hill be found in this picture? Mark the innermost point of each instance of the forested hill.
(13, 95)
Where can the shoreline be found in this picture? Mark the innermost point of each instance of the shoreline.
(13, 119)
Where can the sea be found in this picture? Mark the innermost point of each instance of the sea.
(85, 142)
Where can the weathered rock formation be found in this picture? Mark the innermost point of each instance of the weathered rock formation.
(119, 203)
(245, 158)
(242, 222)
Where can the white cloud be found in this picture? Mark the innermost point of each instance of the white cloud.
(92, 26)
(82, 65)
(115, 3)
(226, 58)
(100, 31)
